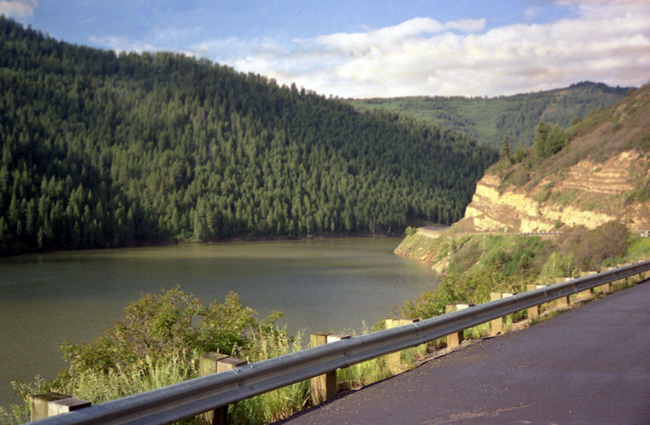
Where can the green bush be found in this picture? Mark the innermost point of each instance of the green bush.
(471, 287)
(159, 343)
(166, 325)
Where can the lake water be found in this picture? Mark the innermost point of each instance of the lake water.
(320, 285)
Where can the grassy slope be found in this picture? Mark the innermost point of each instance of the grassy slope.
(490, 119)
(458, 253)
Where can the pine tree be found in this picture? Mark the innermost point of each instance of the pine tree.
(505, 150)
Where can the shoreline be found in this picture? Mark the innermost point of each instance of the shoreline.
(239, 239)
(190, 242)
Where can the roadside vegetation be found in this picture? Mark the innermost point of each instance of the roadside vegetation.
(159, 343)
(479, 264)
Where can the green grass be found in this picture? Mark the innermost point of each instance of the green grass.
(639, 249)
(563, 198)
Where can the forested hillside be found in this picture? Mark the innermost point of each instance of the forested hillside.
(105, 150)
(490, 120)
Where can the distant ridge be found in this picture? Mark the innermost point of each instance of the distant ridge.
(489, 120)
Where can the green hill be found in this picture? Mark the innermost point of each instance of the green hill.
(489, 120)
(104, 150)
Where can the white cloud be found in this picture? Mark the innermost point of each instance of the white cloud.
(604, 41)
(392, 37)
(18, 8)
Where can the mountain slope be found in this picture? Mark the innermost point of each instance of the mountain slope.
(102, 150)
(489, 120)
(603, 174)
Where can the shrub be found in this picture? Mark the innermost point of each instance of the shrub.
(558, 266)
(159, 343)
(163, 325)
(471, 287)
(591, 247)
(410, 231)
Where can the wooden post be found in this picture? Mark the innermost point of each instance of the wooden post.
(228, 363)
(496, 325)
(323, 387)
(534, 312)
(40, 404)
(563, 301)
(394, 360)
(607, 287)
(208, 366)
(65, 405)
(337, 337)
(455, 339)
(590, 292)
(210, 363)
(51, 404)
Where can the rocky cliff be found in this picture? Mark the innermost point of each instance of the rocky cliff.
(603, 174)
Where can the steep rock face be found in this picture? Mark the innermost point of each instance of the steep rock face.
(586, 193)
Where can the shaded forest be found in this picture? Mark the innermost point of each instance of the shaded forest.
(107, 150)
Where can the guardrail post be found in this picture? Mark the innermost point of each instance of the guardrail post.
(496, 325)
(455, 339)
(566, 300)
(534, 312)
(66, 405)
(589, 292)
(323, 387)
(52, 404)
(394, 360)
(208, 366)
(607, 287)
(210, 363)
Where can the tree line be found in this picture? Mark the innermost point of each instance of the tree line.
(104, 150)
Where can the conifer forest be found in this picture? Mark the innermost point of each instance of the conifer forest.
(100, 149)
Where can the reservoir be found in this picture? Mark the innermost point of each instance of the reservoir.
(320, 285)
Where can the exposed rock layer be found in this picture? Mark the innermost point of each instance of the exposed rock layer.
(587, 194)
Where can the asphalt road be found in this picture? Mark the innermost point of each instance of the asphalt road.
(589, 365)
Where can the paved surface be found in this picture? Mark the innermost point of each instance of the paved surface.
(589, 365)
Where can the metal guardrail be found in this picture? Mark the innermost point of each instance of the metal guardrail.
(190, 398)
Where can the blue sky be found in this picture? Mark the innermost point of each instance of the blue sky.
(374, 48)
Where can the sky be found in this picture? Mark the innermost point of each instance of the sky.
(374, 48)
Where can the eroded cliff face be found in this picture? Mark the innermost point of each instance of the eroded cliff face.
(586, 193)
